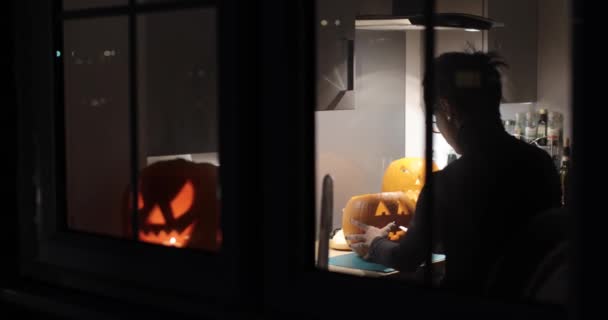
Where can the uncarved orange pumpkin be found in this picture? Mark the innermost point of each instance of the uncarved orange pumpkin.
(406, 175)
(378, 210)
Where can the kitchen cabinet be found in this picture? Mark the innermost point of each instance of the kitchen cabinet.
(335, 29)
(390, 7)
(374, 7)
(517, 43)
(447, 40)
(458, 40)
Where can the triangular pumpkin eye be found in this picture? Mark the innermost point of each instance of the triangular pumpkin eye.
(156, 216)
(401, 209)
(183, 200)
(382, 210)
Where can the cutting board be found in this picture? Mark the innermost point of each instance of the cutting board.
(353, 261)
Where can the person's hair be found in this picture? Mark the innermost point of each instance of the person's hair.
(470, 82)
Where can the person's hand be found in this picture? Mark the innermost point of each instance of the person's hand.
(360, 243)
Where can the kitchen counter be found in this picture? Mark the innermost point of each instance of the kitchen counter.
(356, 272)
(418, 276)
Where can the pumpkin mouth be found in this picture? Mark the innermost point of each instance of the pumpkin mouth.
(172, 238)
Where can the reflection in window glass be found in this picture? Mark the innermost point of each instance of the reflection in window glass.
(177, 83)
(177, 95)
(177, 201)
(178, 206)
(90, 4)
(96, 65)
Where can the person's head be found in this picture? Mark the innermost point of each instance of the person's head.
(468, 91)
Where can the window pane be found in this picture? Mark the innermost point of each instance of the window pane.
(500, 192)
(499, 136)
(177, 63)
(89, 4)
(96, 123)
(364, 149)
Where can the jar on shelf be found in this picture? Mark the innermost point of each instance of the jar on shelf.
(530, 128)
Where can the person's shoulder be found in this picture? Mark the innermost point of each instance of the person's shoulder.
(454, 168)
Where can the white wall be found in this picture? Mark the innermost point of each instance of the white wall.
(355, 146)
(414, 102)
(210, 157)
(447, 40)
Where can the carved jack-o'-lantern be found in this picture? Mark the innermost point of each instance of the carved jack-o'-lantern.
(178, 205)
(406, 175)
(378, 210)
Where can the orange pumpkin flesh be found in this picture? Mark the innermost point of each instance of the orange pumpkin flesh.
(406, 175)
(401, 185)
(177, 205)
(171, 239)
(180, 205)
(378, 210)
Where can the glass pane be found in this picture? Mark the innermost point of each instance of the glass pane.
(375, 180)
(499, 136)
(501, 142)
(96, 60)
(89, 4)
(179, 129)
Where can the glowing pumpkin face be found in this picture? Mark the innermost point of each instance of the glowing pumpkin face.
(378, 210)
(406, 175)
(177, 205)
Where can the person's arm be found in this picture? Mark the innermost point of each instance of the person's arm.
(407, 254)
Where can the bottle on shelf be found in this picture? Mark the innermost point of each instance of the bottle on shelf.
(520, 124)
(530, 129)
(554, 129)
(509, 126)
(564, 173)
(541, 127)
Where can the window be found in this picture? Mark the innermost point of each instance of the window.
(369, 127)
(123, 100)
(96, 60)
(176, 127)
(496, 138)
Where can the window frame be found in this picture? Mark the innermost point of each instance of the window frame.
(335, 294)
(120, 267)
(280, 270)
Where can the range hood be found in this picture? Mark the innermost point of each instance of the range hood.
(443, 21)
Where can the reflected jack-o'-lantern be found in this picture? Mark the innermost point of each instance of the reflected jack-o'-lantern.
(406, 175)
(178, 206)
(378, 210)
